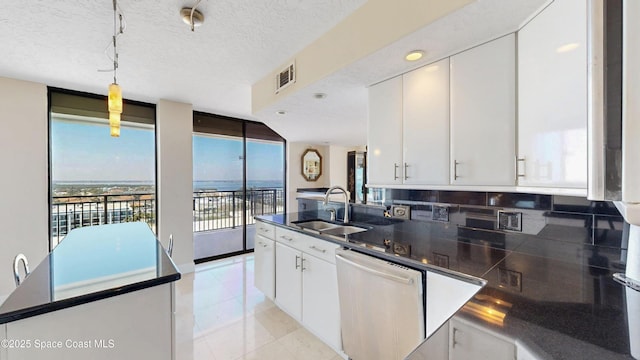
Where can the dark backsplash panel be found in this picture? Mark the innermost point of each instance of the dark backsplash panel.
(562, 218)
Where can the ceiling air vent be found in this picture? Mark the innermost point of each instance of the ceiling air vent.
(286, 77)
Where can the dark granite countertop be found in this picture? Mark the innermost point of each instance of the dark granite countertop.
(558, 298)
(92, 263)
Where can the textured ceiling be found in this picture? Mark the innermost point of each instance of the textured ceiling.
(62, 43)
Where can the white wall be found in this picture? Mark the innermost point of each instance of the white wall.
(338, 165)
(334, 169)
(174, 134)
(24, 215)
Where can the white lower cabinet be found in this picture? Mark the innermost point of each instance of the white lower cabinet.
(264, 267)
(468, 341)
(289, 280)
(321, 306)
(307, 285)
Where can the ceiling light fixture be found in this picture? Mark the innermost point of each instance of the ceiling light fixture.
(319, 96)
(281, 112)
(191, 16)
(414, 55)
(115, 92)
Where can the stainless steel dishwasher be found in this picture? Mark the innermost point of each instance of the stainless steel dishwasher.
(381, 307)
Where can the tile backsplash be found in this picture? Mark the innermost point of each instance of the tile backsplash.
(561, 218)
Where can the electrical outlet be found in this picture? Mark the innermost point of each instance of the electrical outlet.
(440, 213)
(510, 279)
(401, 211)
(509, 220)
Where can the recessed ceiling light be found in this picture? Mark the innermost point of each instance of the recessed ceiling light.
(319, 96)
(414, 55)
(281, 112)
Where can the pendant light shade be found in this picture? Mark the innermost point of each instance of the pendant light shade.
(115, 98)
(115, 131)
(114, 124)
(115, 108)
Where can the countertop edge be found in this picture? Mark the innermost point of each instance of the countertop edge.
(84, 299)
(397, 259)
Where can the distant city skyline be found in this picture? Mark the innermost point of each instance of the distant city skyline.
(84, 152)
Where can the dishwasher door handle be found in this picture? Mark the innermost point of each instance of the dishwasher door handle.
(402, 280)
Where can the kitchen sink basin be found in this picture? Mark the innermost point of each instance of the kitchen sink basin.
(328, 228)
(343, 230)
(317, 225)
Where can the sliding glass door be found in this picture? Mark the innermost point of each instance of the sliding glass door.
(238, 172)
(265, 153)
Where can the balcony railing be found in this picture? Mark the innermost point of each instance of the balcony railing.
(211, 210)
(223, 209)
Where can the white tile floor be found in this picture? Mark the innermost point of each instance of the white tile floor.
(233, 320)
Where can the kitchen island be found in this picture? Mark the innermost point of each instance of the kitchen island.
(544, 298)
(105, 292)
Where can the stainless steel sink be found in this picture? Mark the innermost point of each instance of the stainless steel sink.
(328, 228)
(317, 225)
(343, 230)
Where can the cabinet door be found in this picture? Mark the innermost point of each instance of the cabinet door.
(552, 97)
(385, 133)
(425, 128)
(264, 273)
(469, 342)
(320, 304)
(483, 113)
(289, 288)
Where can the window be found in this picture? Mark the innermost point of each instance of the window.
(95, 178)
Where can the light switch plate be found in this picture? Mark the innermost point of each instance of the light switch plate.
(509, 220)
(440, 213)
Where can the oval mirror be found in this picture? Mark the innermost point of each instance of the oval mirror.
(311, 165)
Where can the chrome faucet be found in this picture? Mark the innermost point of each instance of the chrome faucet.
(346, 201)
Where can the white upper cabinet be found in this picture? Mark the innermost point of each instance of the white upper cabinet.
(552, 95)
(385, 133)
(425, 133)
(483, 111)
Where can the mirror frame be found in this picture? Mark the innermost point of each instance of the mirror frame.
(306, 173)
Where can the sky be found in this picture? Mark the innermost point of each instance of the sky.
(217, 158)
(86, 152)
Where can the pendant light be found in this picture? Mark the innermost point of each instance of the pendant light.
(115, 92)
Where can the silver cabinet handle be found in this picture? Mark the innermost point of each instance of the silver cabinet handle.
(286, 238)
(16, 269)
(297, 265)
(263, 244)
(455, 169)
(303, 260)
(405, 171)
(317, 249)
(170, 246)
(264, 230)
(395, 171)
(454, 341)
(524, 168)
